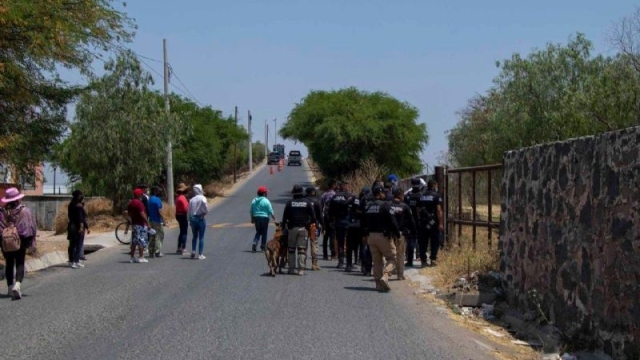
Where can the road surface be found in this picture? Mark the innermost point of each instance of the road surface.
(224, 307)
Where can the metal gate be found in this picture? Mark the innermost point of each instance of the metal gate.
(465, 190)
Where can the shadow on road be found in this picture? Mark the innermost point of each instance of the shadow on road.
(360, 288)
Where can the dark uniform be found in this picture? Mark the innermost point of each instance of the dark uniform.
(311, 196)
(379, 226)
(413, 200)
(298, 215)
(354, 231)
(407, 225)
(365, 252)
(428, 215)
(339, 216)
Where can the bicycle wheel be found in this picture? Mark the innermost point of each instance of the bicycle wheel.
(123, 233)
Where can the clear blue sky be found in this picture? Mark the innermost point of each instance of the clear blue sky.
(267, 55)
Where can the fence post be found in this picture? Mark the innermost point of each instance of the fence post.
(459, 207)
(473, 200)
(489, 217)
(441, 179)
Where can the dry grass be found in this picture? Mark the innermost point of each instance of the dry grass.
(99, 216)
(461, 260)
(368, 172)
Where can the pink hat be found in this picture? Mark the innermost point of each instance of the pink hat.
(12, 194)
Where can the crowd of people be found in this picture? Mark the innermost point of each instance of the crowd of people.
(380, 229)
(148, 223)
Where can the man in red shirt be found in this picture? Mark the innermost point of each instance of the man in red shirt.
(139, 235)
(182, 209)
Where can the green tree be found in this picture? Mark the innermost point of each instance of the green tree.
(120, 133)
(341, 128)
(202, 154)
(553, 94)
(37, 37)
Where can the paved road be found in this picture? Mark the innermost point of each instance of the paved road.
(224, 306)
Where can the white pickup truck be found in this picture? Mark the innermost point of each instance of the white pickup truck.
(294, 158)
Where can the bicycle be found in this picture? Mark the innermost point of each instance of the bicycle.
(123, 231)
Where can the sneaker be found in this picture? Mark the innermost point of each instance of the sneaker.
(70, 264)
(401, 277)
(348, 269)
(79, 264)
(253, 247)
(384, 285)
(15, 292)
(73, 266)
(133, 260)
(300, 272)
(193, 255)
(201, 257)
(159, 255)
(142, 260)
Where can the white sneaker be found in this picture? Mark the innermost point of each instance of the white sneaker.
(201, 257)
(143, 260)
(73, 266)
(15, 292)
(70, 264)
(79, 264)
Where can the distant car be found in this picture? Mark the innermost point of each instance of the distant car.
(273, 158)
(294, 158)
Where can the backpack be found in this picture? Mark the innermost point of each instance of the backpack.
(10, 237)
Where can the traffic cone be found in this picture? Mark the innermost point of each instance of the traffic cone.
(279, 167)
(271, 169)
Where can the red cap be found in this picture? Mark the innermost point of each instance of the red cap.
(262, 189)
(138, 192)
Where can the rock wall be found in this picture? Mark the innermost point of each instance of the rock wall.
(570, 233)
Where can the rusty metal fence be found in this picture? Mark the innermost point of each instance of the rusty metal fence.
(472, 198)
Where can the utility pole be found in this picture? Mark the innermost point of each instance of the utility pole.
(235, 149)
(266, 138)
(275, 130)
(250, 139)
(167, 110)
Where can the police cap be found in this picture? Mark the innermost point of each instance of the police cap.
(376, 189)
(415, 182)
(297, 190)
(310, 190)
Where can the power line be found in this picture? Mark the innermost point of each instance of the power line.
(185, 86)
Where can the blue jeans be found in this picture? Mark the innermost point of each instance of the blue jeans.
(198, 226)
(262, 228)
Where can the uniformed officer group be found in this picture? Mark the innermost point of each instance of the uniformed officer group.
(380, 228)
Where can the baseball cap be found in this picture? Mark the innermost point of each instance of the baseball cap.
(138, 192)
(393, 177)
(262, 189)
(376, 189)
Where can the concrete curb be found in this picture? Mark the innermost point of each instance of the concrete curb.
(108, 240)
(311, 176)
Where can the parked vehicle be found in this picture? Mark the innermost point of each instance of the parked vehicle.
(273, 158)
(279, 148)
(294, 158)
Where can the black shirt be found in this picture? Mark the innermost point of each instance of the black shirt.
(413, 200)
(317, 208)
(77, 215)
(428, 207)
(338, 206)
(404, 217)
(355, 206)
(298, 213)
(378, 217)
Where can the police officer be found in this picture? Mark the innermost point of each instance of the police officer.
(354, 230)
(405, 220)
(432, 218)
(339, 215)
(365, 253)
(412, 198)
(328, 238)
(310, 194)
(379, 227)
(298, 214)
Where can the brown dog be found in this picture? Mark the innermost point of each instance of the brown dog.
(276, 252)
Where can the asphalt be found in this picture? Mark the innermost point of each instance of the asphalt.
(225, 306)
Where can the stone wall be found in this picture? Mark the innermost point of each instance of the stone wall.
(570, 230)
